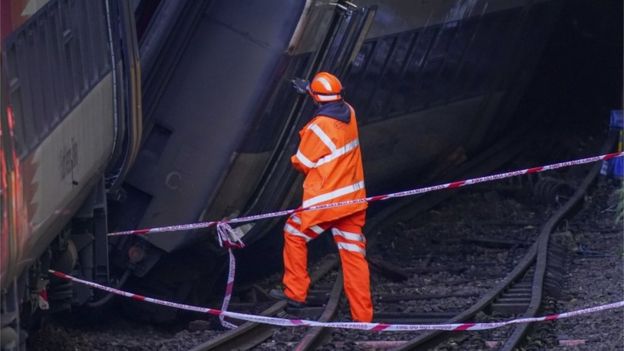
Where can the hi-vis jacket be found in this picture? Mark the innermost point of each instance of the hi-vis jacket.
(329, 155)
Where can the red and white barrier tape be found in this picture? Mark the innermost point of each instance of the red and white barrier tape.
(452, 185)
(229, 287)
(284, 322)
(229, 238)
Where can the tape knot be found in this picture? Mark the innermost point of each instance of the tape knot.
(229, 237)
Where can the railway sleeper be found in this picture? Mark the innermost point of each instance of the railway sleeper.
(505, 299)
(408, 297)
(523, 284)
(509, 308)
(522, 294)
(385, 316)
(558, 248)
(555, 265)
(431, 270)
(553, 288)
(556, 258)
(306, 312)
(388, 270)
(496, 243)
(554, 276)
(316, 300)
(519, 290)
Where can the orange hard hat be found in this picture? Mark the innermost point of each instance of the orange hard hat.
(325, 87)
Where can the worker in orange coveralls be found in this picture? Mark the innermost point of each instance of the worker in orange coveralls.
(329, 156)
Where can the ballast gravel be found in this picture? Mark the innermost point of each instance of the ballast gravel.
(594, 275)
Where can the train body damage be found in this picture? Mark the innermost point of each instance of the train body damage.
(433, 83)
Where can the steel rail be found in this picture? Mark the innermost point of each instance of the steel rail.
(538, 278)
(251, 334)
(537, 255)
(312, 339)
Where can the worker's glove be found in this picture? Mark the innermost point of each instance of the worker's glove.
(301, 85)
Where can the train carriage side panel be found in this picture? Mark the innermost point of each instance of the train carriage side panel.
(68, 163)
(442, 92)
(205, 111)
(433, 84)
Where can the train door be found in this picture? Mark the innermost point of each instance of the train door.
(351, 24)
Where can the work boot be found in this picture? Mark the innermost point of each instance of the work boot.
(279, 295)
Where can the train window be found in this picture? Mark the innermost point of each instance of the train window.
(418, 58)
(78, 48)
(73, 45)
(374, 72)
(67, 39)
(380, 93)
(86, 43)
(403, 86)
(430, 81)
(395, 67)
(15, 96)
(445, 83)
(35, 87)
(27, 117)
(100, 36)
(357, 70)
(443, 41)
(70, 93)
(45, 86)
(58, 74)
(49, 45)
(57, 56)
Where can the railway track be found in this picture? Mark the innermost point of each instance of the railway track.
(428, 289)
(520, 292)
(249, 335)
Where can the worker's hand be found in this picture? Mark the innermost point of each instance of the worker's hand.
(300, 85)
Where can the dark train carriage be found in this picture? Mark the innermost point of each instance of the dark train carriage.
(434, 83)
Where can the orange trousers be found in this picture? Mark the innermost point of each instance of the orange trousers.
(347, 233)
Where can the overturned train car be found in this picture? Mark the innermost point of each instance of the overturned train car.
(434, 83)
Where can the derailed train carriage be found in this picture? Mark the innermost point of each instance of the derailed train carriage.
(434, 83)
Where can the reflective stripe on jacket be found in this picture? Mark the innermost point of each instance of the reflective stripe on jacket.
(329, 156)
